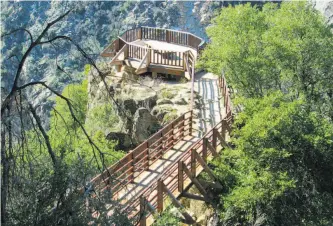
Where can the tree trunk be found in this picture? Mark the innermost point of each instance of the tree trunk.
(4, 177)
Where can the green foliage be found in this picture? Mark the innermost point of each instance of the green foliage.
(167, 94)
(101, 118)
(87, 68)
(170, 116)
(167, 218)
(48, 194)
(67, 137)
(278, 59)
(285, 47)
(282, 155)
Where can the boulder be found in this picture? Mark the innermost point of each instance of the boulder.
(148, 102)
(129, 105)
(144, 124)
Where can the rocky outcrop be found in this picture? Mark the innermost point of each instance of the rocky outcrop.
(142, 105)
(144, 124)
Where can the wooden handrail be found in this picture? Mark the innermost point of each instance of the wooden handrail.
(216, 135)
(122, 167)
(118, 54)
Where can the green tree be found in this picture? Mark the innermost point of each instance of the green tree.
(66, 134)
(278, 59)
(285, 47)
(280, 172)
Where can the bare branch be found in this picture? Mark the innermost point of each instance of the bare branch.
(46, 137)
(19, 29)
(25, 55)
(49, 25)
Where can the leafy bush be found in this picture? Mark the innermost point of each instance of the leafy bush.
(167, 218)
(167, 94)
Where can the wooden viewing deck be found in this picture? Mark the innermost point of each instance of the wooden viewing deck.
(155, 50)
(165, 165)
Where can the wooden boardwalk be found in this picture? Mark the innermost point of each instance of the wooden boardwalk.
(165, 165)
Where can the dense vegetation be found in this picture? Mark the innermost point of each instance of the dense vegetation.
(278, 59)
(51, 147)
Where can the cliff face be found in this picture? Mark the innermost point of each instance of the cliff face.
(142, 105)
(92, 25)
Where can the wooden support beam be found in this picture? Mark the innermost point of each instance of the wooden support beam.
(210, 147)
(205, 166)
(193, 196)
(215, 132)
(142, 61)
(194, 180)
(118, 54)
(177, 204)
(211, 184)
(204, 148)
(219, 136)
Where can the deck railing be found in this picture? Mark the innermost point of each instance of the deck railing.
(184, 166)
(139, 159)
(163, 35)
(173, 178)
(158, 34)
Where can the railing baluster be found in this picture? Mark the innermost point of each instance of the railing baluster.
(160, 195)
(180, 177)
(143, 204)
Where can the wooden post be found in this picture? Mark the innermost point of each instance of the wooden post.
(143, 220)
(126, 52)
(195, 181)
(190, 123)
(193, 163)
(160, 186)
(173, 133)
(140, 33)
(180, 177)
(167, 38)
(224, 129)
(118, 68)
(215, 138)
(183, 125)
(148, 57)
(204, 149)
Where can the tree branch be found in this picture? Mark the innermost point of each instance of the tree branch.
(46, 137)
(19, 29)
